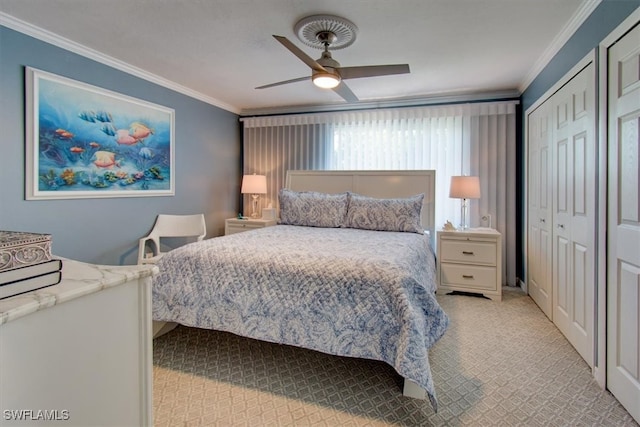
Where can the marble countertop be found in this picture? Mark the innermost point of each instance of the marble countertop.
(78, 279)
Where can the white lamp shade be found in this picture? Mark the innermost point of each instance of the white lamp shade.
(254, 184)
(464, 187)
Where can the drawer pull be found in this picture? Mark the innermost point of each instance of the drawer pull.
(467, 253)
(467, 276)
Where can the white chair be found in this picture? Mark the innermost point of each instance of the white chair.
(187, 226)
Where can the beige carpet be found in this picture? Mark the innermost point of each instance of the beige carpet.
(501, 364)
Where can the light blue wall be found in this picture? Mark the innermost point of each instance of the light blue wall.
(604, 19)
(106, 231)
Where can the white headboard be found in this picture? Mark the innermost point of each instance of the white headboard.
(379, 184)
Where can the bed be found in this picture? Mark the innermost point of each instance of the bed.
(326, 278)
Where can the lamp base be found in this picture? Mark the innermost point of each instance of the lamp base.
(463, 215)
(254, 206)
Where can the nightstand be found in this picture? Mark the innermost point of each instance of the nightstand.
(235, 225)
(470, 261)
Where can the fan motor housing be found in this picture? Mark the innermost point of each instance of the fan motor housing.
(327, 61)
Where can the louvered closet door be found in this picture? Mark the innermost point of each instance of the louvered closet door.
(574, 228)
(623, 246)
(539, 212)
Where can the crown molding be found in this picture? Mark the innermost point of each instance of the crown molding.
(578, 18)
(453, 98)
(64, 43)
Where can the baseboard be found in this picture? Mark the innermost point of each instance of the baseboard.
(523, 286)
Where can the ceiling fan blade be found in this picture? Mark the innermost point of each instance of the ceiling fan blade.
(343, 90)
(299, 79)
(300, 54)
(373, 71)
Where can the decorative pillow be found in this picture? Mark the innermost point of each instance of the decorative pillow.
(385, 214)
(312, 209)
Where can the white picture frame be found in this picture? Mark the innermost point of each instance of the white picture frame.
(83, 141)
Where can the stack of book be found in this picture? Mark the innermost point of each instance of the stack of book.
(26, 263)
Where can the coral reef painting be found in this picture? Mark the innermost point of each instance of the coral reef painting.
(85, 142)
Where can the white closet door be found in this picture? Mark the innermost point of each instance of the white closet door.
(574, 209)
(623, 246)
(539, 212)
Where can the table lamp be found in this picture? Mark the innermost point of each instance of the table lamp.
(254, 185)
(464, 187)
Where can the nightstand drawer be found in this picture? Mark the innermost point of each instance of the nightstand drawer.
(468, 276)
(234, 225)
(239, 228)
(467, 251)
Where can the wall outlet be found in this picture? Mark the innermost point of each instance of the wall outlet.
(485, 220)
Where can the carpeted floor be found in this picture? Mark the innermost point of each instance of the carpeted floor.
(501, 364)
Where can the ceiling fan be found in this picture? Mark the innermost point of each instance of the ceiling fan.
(331, 32)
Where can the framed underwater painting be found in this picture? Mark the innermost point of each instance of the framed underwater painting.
(83, 141)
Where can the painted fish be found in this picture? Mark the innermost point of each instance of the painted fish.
(124, 138)
(94, 144)
(88, 116)
(105, 159)
(103, 116)
(108, 129)
(146, 153)
(51, 152)
(139, 130)
(63, 133)
(76, 149)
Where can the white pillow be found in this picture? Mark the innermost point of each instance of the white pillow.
(312, 209)
(369, 213)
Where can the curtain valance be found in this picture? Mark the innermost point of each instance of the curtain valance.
(359, 116)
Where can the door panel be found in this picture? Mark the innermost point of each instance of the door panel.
(580, 271)
(629, 170)
(623, 244)
(629, 291)
(545, 172)
(562, 278)
(562, 180)
(574, 211)
(579, 175)
(539, 246)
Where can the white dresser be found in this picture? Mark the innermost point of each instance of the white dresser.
(235, 225)
(470, 261)
(79, 353)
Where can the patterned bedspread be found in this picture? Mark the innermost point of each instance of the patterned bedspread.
(346, 292)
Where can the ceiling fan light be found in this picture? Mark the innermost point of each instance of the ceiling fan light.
(326, 80)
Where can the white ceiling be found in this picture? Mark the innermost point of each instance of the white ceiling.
(220, 50)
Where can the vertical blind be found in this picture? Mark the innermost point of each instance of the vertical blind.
(463, 139)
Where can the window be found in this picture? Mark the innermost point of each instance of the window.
(462, 139)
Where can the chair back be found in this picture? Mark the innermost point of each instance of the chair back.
(180, 226)
(171, 226)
